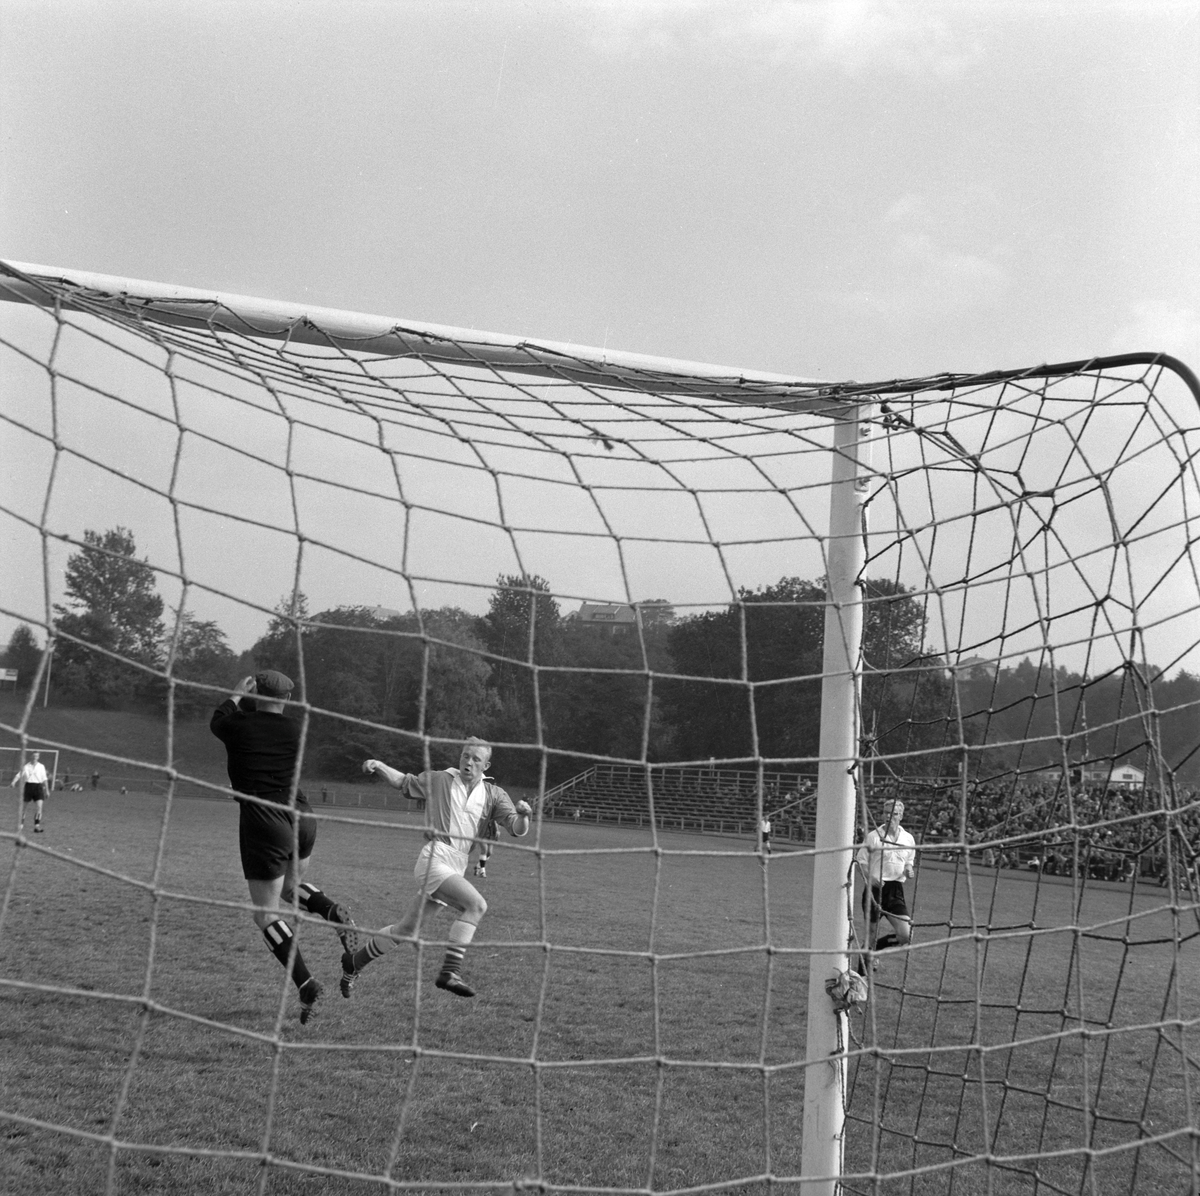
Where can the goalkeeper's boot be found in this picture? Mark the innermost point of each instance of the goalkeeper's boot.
(339, 915)
(349, 975)
(452, 982)
(310, 994)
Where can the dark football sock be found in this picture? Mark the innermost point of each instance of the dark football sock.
(314, 901)
(279, 938)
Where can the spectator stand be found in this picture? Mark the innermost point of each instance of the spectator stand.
(708, 799)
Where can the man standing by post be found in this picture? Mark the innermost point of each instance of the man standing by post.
(31, 776)
(886, 858)
(276, 837)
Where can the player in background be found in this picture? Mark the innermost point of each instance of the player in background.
(764, 833)
(488, 835)
(263, 747)
(886, 858)
(31, 776)
(458, 802)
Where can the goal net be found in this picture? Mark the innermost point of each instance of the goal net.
(715, 623)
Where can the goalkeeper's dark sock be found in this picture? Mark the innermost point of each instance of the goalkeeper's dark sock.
(314, 901)
(460, 936)
(280, 938)
(888, 940)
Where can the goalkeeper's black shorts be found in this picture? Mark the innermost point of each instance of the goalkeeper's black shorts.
(267, 838)
(887, 898)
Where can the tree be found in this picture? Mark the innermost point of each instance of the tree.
(601, 709)
(656, 612)
(523, 627)
(773, 638)
(523, 619)
(112, 604)
(907, 699)
(279, 648)
(24, 655)
(425, 674)
(779, 628)
(197, 650)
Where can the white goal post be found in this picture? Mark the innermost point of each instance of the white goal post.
(860, 480)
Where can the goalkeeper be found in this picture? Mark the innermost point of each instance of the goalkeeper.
(263, 747)
(459, 802)
(886, 858)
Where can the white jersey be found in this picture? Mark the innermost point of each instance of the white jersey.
(465, 812)
(31, 773)
(889, 858)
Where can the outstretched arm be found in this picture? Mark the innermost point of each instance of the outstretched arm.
(393, 776)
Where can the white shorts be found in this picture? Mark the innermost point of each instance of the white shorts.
(436, 863)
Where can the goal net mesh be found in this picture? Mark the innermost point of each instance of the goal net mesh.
(613, 568)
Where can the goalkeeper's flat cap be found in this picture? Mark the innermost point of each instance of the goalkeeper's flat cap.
(271, 683)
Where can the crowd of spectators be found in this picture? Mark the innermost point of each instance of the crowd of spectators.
(1097, 831)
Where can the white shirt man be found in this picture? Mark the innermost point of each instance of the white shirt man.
(459, 803)
(764, 834)
(31, 776)
(887, 858)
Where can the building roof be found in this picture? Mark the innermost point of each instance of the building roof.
(607, 613)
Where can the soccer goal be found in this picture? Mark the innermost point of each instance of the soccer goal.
(13, 759)
(976, 594)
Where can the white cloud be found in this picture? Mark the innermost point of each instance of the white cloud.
(1159, 327)
(932, 261)
(851, 35)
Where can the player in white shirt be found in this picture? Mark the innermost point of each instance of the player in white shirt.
(886, 858)
(764, 833)
(459, 802)
(31, 776)
(488, 835)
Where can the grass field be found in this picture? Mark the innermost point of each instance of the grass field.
(631, 1029)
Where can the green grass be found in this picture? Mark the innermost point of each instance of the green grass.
(582, 1065)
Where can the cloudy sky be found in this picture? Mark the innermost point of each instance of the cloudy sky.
(847, 189)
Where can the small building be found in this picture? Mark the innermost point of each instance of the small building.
(613, 617)
(1123, 776)
(974, 668)
(1113, 776)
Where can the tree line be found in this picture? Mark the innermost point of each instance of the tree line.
(732, 684)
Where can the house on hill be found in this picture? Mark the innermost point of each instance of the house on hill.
(974, 667)
(612, 617)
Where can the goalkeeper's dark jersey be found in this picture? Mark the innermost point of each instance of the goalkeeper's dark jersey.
(262, 750)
